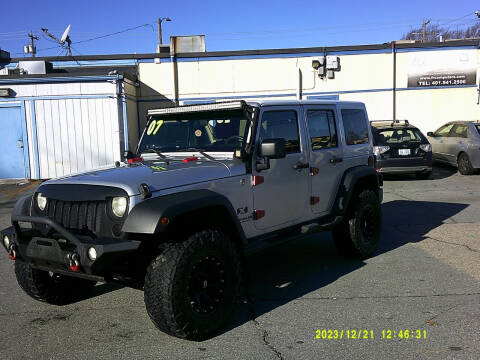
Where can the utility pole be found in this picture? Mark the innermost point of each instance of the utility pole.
(31, 48)
(424, 30)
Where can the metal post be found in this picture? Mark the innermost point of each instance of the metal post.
(159, 31)
(394, 92)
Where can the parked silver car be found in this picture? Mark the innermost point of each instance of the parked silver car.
(457, 143)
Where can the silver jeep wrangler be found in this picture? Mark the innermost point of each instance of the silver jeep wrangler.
(206, 184)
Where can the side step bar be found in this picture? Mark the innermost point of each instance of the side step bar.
(313, 227)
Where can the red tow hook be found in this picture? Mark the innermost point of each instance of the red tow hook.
(74, 262)
(12, 253)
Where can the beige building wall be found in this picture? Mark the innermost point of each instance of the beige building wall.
(365, 76)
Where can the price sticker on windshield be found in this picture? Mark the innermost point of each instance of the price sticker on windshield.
(154, 127)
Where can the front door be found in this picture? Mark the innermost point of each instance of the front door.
(326, 156)
(283, 196)
(439, 142)
(12, 163)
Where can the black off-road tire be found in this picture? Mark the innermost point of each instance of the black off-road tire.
(359, 234)
(191, 288)
(464, 165)
(423, 175)
(51, 288)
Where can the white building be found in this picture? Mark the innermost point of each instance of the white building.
(85, 118)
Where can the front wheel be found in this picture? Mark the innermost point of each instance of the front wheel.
(191, 288)
(359, 234)
(50, 287)
(464, 165)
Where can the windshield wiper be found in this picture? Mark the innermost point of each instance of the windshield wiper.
(156, 151)
(200, 151)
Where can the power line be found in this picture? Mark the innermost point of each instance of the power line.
(115, 33)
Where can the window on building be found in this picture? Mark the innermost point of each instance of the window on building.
(322, 129)
(355, 126)
(281, 124)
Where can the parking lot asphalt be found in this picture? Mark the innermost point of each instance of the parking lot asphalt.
(425, 276)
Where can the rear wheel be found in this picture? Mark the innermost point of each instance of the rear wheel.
(359, 234)
(50, 287)
(191, 288)
(464, 165)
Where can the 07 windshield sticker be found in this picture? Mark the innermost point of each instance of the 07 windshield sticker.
(154, 127)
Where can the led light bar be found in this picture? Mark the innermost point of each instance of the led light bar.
(226, 105)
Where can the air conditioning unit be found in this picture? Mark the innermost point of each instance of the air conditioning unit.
(34, 67)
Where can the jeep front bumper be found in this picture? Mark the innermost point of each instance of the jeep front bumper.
(57, 249)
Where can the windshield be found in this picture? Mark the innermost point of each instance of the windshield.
(478, 128)
(208, 131)
(397, 136)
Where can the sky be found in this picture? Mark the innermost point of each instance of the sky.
(238, 25)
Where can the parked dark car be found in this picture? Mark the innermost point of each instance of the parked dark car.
(401, 148)
(458, 143)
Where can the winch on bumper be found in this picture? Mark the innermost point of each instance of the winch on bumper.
(58, 250)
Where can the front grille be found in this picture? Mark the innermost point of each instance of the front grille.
(77, 215)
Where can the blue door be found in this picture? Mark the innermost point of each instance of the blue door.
(12, 159)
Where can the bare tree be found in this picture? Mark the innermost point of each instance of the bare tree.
(434, 31)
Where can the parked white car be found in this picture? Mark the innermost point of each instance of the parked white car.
(457, 143)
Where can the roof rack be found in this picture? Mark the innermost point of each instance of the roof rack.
(392, 122)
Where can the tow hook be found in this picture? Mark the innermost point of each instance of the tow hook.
(74, 262)
(12, 252)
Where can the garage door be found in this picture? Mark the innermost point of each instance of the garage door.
(12, 161)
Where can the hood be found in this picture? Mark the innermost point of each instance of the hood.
(158, 175)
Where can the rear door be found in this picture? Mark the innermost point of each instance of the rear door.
(282, 195)
(326, 156)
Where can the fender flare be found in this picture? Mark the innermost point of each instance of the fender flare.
(22, 206)
(145, 217)
(347, 186)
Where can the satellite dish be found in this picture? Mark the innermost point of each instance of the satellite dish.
(64, 39)
(65, 35)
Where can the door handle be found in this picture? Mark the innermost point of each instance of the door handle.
(335, 160)
(299, 165)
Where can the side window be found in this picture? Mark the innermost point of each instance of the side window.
(281, 124)
(322, 129)
(355, 126)
(459, 130)
(444, 131)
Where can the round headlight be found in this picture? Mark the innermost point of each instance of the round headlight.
(119, 206)
(92, 254)
(6, 241)
(41, 201)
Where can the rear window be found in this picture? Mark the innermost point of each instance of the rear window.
(397, 136)
(355, 126)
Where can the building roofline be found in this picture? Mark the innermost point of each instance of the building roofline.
(49, 78)
(166, 54)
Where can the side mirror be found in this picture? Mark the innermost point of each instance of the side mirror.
(430, 134)
(272, 148)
